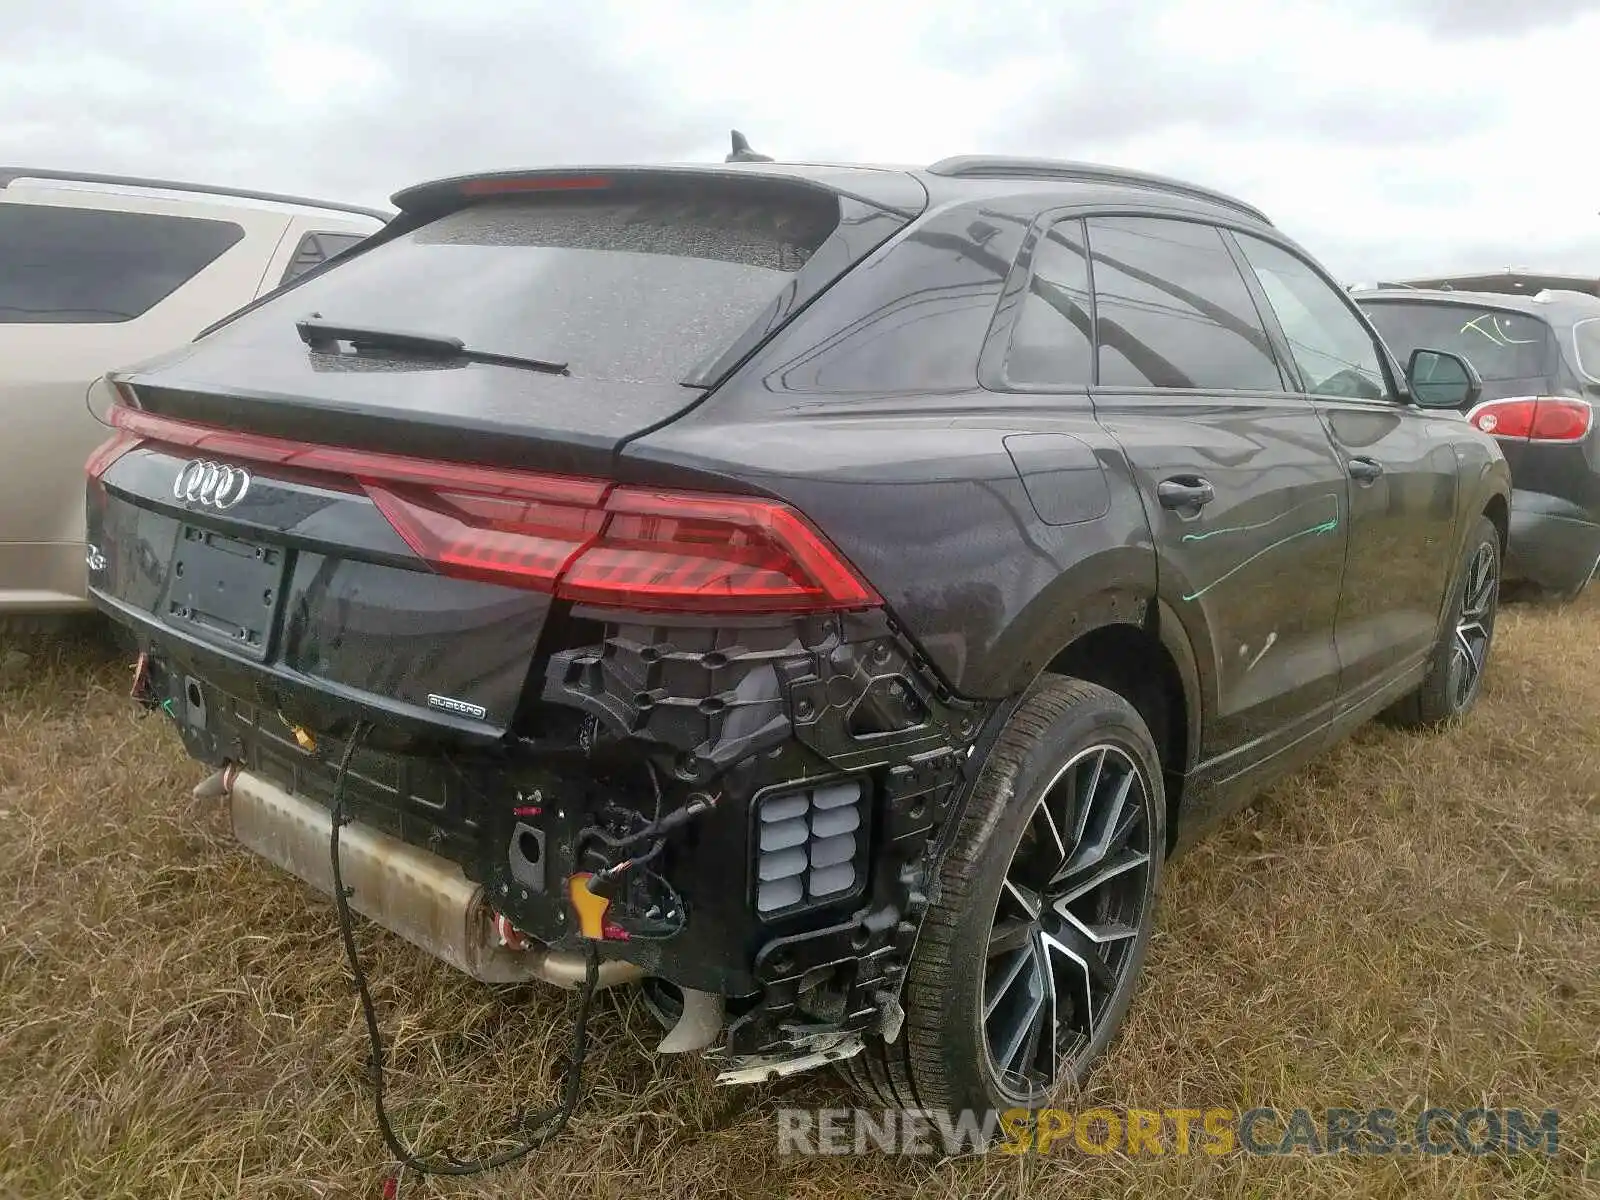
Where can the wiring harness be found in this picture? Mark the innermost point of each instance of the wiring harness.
(655, 912)
(536, 1129)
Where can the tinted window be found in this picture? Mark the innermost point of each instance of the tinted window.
(1173, 310)
(87, 266)
(913, 321)
(637, 290)
(1051, 343)
(1586, 339)
(316, 249)
(1335, 353)
(1501, 345)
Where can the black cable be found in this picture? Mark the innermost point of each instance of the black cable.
(674, 905)
(651, 830)
(545, 1125)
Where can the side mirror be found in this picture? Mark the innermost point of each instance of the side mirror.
(1439, 379)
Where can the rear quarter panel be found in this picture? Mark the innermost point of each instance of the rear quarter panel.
(925, 500)
(865, 413)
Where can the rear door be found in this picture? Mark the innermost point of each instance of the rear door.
(1400, 466)
(1244, 492)
(86, 286)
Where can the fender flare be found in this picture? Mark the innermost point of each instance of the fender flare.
(1197, 703)
(1133, 604)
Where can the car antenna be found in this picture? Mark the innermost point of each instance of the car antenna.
(742, 151)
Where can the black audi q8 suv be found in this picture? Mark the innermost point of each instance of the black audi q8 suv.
(824, 594)
(1539, 357)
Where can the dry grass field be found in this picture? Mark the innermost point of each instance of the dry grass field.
(1411, 921)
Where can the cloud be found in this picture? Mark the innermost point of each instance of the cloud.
(1484, 18)
(1383, 134)
(354, 100)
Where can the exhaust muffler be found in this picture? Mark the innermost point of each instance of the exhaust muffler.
(420, 896)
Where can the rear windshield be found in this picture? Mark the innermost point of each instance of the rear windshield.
(61, 265)
(1586, 341)
(639, 290)
(1500, 344)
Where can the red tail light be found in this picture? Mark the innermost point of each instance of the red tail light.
(710, 553)
(523, 538)
(122, 439)
(579, 539)
(1534, 418)
(108, 451)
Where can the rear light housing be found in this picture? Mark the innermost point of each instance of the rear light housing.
(504, 185)
(589, 541)
(108, 451)
(1534, 418)
(122, 439)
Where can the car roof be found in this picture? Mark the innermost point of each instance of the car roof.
(1564, 306)
(1514, 281)
(50, 179)
(899, 187)
(1093, 180)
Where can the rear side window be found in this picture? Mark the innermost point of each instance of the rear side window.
(316, 249)
(1333, 349)
(89, 266)
(1502, 345)
(638, 290)
(1053, 344)
(1586, 341)
(1172, 310)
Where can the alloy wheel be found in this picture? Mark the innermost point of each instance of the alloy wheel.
(1474, 627)
(1071, 906)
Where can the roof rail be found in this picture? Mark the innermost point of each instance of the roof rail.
(997, 166)
(9, 175)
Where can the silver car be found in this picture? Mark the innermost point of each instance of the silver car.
(98, 272)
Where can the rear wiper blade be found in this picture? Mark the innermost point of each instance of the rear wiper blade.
(323, 335)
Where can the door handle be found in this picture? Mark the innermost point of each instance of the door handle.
(1185, 492)
(1364, 470)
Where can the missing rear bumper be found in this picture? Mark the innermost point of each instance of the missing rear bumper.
(442, 845)
(420, 896)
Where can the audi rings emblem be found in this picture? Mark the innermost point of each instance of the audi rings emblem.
(215, 485)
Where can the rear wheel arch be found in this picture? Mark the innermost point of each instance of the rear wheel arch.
(1153, 668)
(1499, 513)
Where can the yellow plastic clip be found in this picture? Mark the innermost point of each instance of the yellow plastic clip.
(302, 735)
(591, 908)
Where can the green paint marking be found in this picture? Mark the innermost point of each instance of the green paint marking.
(166, 707)
(1211, 533)
(1327, 526)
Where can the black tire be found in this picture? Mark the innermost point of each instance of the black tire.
(943, 1058)
(1456, 670)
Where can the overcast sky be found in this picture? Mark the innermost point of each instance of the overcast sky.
(1387, 135)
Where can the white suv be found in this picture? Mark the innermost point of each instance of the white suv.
(99, 272)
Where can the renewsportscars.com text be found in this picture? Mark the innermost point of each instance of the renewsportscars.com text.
(1154, 1133)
